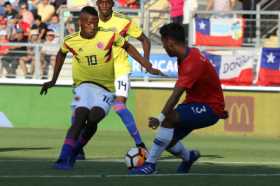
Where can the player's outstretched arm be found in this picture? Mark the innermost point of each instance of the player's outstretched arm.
(59, 61)
(167, 109)
(131, 50)
(146, 45)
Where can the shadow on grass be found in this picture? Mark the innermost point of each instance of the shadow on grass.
(212, 156)
(10, 149)
(209, 156)
(98, 167)
(104, 173)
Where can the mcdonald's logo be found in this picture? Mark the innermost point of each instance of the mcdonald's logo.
(241, 114)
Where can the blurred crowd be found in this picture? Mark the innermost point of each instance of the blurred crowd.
(23, 21)
(37, 21)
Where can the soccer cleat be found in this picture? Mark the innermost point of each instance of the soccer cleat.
(64, 164)
(81, 155)
(185, 166)
(147, 168)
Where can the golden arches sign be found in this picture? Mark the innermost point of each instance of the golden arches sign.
(241, 114)
(239, 110)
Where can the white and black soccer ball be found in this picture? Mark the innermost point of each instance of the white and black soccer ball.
(135, 157)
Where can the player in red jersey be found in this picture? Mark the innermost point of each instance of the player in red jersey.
(203, 106)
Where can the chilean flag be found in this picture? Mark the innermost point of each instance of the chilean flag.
(219, 31)
(233, 69)
(269, 67)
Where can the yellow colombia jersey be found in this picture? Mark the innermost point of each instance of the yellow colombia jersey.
(126, 28)
(92, 58)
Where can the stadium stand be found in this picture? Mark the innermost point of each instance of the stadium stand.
(266, 21)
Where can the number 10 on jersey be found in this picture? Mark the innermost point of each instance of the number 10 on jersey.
(91, 60)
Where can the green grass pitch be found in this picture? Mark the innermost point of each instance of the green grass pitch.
(26, 157)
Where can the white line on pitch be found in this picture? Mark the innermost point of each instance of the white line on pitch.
(165, 160)
(152, 175)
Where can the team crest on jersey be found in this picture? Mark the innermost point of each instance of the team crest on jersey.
(100, 45)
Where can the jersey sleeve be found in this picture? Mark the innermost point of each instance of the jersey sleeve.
(63, 48)
(118, 40)
(190, 73)
(134, 30)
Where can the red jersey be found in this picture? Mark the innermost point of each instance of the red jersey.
(4, 49)
(197, 75)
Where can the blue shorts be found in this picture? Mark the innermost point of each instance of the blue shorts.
(193, 116)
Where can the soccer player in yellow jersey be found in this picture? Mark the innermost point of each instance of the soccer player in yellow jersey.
(93, 76)
(123, 25)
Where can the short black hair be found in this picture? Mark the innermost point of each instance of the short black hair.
(38, 17)
(174, 31)
(111, 0)
(7, 3)
(89, 10)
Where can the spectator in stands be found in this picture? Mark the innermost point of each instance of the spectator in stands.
(77, 5)
(54, 24)
(19, 23)
(27, 16)
(58, 3)
(221, 6)
(3, 49)
(22, 2)
(190, 6)
(70, 25)
(121, 3)
(45, 10)
(29, 58)
(3, 39)
(42, 27)
(176, 11)
(10, 12)
(32, 6)
(249, 4)
(48, 52)
(2, 10)
(11, 59)
(250, 31)
(134, 4)
(3, 21)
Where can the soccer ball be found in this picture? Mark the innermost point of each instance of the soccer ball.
(135, 157)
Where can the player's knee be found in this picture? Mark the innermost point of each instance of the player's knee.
(171, 144)
(118, 106)
(120, 99)
(167, 124)
(171, 119)
(96, 114)
(81, 112)
(91, 127)
(80, 116)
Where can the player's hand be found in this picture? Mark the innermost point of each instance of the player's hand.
(46, 86)
(153, 122)
(155, 71)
